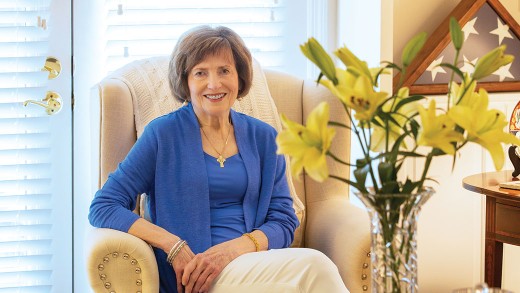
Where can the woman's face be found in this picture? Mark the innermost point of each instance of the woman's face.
(213, 85)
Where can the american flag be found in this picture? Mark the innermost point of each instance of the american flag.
(484, 32)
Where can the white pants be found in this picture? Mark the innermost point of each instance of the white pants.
(288, 270)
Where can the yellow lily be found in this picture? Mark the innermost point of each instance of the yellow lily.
(460, 95)
(357, 93)
(308, 145)
(437, 131)
(485, 127)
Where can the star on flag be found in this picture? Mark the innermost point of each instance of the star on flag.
(502, 31)
(469, 28)
(434, 68)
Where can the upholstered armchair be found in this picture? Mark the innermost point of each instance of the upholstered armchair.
(130, 97)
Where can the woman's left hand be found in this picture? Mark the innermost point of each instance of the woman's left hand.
(200, 272)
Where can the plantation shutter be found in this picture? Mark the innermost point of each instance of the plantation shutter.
(138, 29)
(26, 199)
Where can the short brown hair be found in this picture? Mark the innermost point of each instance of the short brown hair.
(200, 42)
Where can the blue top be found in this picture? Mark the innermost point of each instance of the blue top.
(167, 162)
(227, 187)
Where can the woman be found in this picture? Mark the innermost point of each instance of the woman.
(217, 190)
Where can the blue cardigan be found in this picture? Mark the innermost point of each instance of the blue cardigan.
(167, 163)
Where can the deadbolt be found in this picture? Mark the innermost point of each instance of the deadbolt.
(53, 66)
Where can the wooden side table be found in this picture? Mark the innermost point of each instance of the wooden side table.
(502, 219)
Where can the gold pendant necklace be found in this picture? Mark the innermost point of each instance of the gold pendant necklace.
(220, 158)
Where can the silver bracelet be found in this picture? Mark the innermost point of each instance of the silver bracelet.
(175, 250)
(170, 253)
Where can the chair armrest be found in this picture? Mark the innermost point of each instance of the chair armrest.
(120, 262)
(342, 232)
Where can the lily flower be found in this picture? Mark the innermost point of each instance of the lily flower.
(437, 131)
(485, 127)
(464, 95)
(308, 145)
(491, 62)
(357, 93)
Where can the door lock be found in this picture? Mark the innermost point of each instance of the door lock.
(52, 102)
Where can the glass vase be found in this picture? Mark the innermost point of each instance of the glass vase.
(393, 221)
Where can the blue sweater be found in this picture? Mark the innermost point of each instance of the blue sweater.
(167, 163)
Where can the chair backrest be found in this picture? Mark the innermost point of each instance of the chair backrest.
(135, 94)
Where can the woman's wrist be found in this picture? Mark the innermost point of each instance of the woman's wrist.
(169, 242)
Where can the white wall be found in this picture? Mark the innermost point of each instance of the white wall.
(451, 226)
(88, 65)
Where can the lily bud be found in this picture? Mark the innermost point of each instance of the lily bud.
(313, 50)
(350, 60)
(412, 48)
(457, 36)
(491, 62)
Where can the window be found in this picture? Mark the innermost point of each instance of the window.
(138, 29)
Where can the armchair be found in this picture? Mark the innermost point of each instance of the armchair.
(120, 262)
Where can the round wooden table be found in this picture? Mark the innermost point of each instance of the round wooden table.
(502, 219)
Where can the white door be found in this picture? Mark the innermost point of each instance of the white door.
(35, 147)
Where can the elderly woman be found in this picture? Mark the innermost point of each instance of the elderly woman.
(218, 199)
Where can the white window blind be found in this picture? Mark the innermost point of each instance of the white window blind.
(25, 161)
(137, 29)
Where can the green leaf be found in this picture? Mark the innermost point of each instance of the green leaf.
(454, 68)
(412, 48)
(408, 100)
(457, 36)
(385, 170)
(390, 187)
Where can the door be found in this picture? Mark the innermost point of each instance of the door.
(35, 146)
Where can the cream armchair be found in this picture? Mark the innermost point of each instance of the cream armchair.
(119, 262)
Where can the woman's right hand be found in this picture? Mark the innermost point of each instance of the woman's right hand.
(179, 263)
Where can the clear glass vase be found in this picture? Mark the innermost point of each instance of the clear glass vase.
(393, 224)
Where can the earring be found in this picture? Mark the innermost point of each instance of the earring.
(240, 98)
(184, 103)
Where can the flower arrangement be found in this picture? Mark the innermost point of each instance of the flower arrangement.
(390, 129)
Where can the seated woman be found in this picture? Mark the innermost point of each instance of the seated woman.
(216, 187)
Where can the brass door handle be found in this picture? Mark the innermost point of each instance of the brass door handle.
(52, 102)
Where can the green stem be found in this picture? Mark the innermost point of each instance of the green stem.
(425, 170)
(457, 52)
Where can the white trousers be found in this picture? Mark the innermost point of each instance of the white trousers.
(286, 270)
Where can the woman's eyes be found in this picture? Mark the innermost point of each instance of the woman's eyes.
(203, 73)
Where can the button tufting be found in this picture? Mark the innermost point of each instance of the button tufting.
(364, 276)
(106, 259)
(137, 270)
(115, 254)
(365, 288)
(126, 256)
(103, 277)
(108, 285)
(133, 261)
(365, 265)
(138, 282)
(100, 267)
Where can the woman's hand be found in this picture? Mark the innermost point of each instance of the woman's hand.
(179, 264)
(200, 272)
